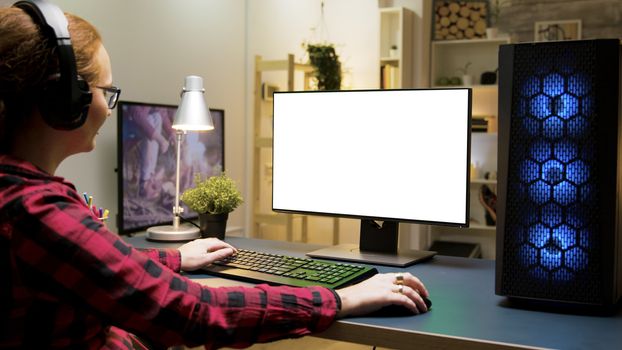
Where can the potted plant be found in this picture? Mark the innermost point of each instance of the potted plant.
(326, 64)
(495, 11)
(466, 79)
(213, 199)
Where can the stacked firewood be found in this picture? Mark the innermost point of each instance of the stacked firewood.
(460, 20)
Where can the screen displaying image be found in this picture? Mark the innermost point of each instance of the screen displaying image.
(147, 162)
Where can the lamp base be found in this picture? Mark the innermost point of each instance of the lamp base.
(172, 233)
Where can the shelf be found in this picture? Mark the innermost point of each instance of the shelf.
(286, 71)
(499, 40)
(482, 227)
(483, 181)
(396, 47)
(280, 65)
(450, 57)
(474, 86)
(395, 60)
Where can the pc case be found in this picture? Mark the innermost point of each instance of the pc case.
(558, 229)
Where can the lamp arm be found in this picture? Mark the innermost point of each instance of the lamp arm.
(177, 209)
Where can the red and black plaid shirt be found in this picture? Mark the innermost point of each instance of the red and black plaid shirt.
(66, 281)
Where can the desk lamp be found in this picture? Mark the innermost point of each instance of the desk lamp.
(192, 115)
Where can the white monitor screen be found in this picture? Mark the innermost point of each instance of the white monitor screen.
(380, 154)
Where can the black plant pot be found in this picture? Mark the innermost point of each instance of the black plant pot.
(213, 225)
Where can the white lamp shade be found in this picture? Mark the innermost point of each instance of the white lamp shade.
(193, 113)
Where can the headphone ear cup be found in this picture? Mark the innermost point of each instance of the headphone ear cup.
(60, 112)
(51, 105)
(81, 104)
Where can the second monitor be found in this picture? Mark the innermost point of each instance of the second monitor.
(381, 156)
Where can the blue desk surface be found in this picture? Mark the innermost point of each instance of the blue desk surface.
(465, 312)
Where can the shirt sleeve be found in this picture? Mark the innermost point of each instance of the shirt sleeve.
(168, 257)
(79, 258)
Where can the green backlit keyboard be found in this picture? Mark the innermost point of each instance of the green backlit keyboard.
(275, 269)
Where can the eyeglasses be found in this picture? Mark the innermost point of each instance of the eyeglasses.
(111, 94)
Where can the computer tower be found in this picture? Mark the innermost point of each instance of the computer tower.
(559, 173)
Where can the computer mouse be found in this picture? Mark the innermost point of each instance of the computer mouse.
(398, 310)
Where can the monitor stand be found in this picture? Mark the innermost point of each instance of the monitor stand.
(378, 246)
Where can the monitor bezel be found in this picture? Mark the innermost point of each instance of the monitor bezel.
(463, 224)
(120, 217)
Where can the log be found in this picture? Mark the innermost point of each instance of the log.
(465, 11)
(480, 27)
(443, 11)
(462, 24)
(454, 7)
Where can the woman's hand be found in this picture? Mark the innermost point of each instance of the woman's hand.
(382, 290)
(201, 252)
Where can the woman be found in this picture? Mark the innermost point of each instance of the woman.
(69, 282)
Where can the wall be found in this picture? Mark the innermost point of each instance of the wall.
(600, 18)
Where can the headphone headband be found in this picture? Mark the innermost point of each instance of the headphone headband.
(65, 101)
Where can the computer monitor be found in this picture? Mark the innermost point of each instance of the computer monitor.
(147, 162)
(381, 156)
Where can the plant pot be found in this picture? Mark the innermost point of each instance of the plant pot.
(213, 225)
(492, 32)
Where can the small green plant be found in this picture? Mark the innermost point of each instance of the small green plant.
(464, 70)
(495, 10)
(214, 195)
(325, 60)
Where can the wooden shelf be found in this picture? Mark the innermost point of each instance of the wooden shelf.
(262, 157)
(474, 86)
(499, 40)
(482, 227)
(396, 28)
(449, 57)
(483, 181)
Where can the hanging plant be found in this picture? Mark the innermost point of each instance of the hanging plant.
(327, 68)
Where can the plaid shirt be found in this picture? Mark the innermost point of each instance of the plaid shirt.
(66, 281)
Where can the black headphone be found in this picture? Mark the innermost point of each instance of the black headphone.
(65, 99)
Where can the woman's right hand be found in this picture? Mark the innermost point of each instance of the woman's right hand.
(383, 290)
(201, 252)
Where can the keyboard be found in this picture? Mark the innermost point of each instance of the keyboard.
(275, 269)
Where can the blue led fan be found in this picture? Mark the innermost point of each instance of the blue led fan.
(555, 173)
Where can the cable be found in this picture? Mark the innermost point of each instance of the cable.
(189, 221)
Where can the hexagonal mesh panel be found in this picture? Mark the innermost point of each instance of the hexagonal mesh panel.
(552, 201)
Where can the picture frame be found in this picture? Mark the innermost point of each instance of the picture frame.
(557, 30)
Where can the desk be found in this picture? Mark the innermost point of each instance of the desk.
(466, 314)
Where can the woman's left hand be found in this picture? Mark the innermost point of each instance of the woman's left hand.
(202, 252)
